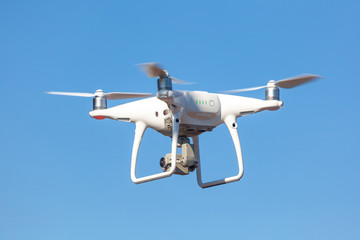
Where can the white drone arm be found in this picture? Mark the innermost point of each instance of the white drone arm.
(139, 132)
(230, 122)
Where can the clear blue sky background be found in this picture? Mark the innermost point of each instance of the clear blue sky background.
(64, 175)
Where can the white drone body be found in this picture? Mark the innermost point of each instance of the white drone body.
(182, 115)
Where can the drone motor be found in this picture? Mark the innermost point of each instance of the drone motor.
(272, 92)
(99, 102)
(164, 88)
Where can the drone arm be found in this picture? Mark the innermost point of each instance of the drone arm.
(139, 132)
(232, 126)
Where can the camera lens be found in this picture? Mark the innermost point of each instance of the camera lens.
(162, 162)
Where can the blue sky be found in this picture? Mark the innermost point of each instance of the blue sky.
(64, 175)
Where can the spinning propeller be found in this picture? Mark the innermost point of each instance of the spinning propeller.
(100, 98)
(100, 93)
(284, 83)
(155, 70)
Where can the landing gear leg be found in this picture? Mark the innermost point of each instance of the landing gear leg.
(232, 126)
(139, 132)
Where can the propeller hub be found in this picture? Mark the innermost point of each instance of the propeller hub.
(99, 93)
(271, 83)
(166, 74)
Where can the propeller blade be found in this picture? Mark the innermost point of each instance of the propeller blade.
(123, 95)
(182, 82)
(75, 94)
(244, 89)
(295, 81)
(111, 95)
(284, 83)
(153, 70)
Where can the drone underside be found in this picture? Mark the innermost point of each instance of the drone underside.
(185, 114)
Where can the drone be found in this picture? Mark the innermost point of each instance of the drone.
(182, 115)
